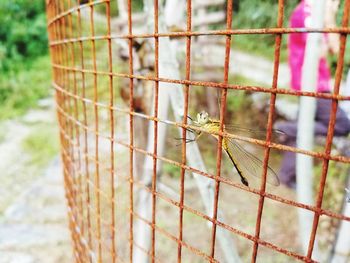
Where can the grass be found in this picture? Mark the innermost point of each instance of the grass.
(171, 170)
(260, 45)
(41, 145)
(29, 155)
(260, 14)
(2, 135)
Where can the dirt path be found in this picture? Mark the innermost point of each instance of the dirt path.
(33, 225)
(34, 228)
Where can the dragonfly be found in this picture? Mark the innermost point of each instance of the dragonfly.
(244, 162)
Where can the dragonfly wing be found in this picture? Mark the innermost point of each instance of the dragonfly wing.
(249, 164)
(252, 133)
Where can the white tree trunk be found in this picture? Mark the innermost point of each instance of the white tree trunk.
(345, 105)
(169, 68)
(123, 13)
(144, 207)
(342, 247)
(176, 18)
(142, 233)
(305, 136)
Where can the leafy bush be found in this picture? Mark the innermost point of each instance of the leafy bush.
(21, 88)
(22, 32)
(260, 14)
(136, 6)
(24, 60)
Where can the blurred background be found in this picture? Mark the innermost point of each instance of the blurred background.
(32, 207)
(33, 212)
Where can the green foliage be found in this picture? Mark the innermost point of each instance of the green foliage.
(22, 32)
(2, 135)
(171, 170)
(260, 14)
(101, 8)
(236, 100)
(20, 89)
(136, 6)
(24, 63)
(336, 179)
(333, 59)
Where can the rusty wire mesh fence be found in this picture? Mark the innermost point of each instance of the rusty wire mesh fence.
(97, 110)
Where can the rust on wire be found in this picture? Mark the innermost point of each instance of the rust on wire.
(111, 122)
(276, 146)
(184, 131)
(131, 131)
(217, 85)
(269, 127)
(155, 130)
(85, 137)
(102, 230)
(261, 31)
(222, 120)
(96, 127)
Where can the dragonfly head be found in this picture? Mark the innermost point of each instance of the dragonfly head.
(202, 117)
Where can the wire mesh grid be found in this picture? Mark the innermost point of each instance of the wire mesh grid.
(100, 192)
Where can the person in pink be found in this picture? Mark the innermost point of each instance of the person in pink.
(300, 18)
(296, 46)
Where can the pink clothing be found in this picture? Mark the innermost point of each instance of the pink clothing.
(296, 47)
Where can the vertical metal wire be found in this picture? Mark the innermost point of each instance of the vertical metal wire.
(222, 120)
(71, 177)
(111, 120)
(155, 138)
(185, 113)
(85, 123)
(77, 139)
(55, 51)
(269, 127)
(97, 166)
(131, 130)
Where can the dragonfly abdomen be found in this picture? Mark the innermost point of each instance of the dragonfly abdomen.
(227, 150)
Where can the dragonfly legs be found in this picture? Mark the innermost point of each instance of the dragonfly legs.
(189, 140)
(189, 117)
(186, 141)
